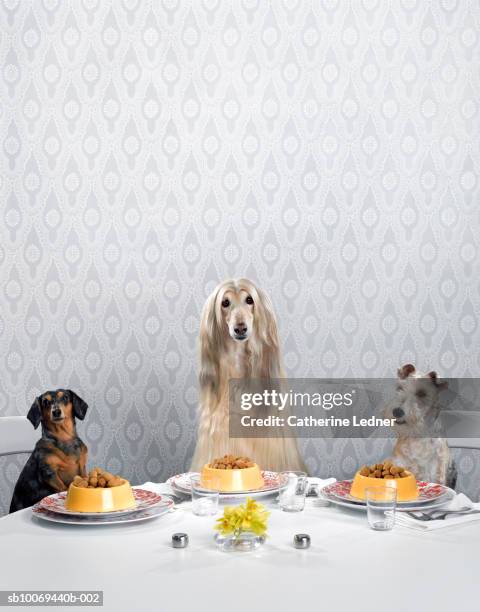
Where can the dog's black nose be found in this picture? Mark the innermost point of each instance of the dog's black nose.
(56, 413)
(398, 412)
(240, 329)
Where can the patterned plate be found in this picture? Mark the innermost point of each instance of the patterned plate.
(427, 492)
(272, 484)
(144, 515)
(437, 503)
(145, 499)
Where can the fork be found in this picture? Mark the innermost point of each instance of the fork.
(441, 517)
(178, 498)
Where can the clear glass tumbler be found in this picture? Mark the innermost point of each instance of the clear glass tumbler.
(381, 505)
(293, 492)
(204, 501)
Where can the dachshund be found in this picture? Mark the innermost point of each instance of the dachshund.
(421, 446)
(59, 455)
(238, 339)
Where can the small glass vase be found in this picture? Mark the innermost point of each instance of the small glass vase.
(244, 541)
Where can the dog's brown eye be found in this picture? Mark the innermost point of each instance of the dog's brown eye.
(249, 300)
(420, 393)
(225, 303)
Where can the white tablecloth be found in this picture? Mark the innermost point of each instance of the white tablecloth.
(349, 566)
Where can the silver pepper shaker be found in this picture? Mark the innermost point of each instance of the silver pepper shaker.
(180, 540)
(301, 540)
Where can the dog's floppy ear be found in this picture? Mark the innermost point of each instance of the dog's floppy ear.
(440, 385)
(79, 406)
(405, 371)
(35, 413)
(211, 345)
(266, 328)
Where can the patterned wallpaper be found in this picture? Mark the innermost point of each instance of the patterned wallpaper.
(328, 150)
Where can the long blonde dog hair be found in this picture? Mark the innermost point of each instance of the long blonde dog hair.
(258, 357)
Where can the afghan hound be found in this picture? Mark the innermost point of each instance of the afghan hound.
(238, 340)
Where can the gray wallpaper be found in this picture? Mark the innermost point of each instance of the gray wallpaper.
(327, 150)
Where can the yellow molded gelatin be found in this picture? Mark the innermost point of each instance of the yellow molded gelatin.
(81, 499)
(245, 479)
(406, 487)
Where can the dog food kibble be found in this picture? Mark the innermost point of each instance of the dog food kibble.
(97, 478)
(383, 470)
(230, 462)
(78, 481)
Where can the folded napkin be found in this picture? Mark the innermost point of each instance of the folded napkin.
(161, 488)
(460, 501)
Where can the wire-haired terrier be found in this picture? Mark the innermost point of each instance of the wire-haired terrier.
(421, 446)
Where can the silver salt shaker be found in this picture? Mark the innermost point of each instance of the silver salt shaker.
(301, 540)
(180, 540)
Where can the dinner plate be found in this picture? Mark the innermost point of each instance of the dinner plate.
(144, 515)
(358, 504)
(362, 507)
(272, 484)
(427, 493)
(144, 499)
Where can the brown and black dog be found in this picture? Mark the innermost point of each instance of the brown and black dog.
(59, 455)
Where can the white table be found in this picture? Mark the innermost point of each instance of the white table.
(349, 567)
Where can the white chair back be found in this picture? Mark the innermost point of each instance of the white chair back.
(17, 435)
(459, 424)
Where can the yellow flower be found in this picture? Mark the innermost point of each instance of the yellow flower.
(249, 517)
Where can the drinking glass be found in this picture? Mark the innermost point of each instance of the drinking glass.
(204, 501)
(381, 505)
(293, 491)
